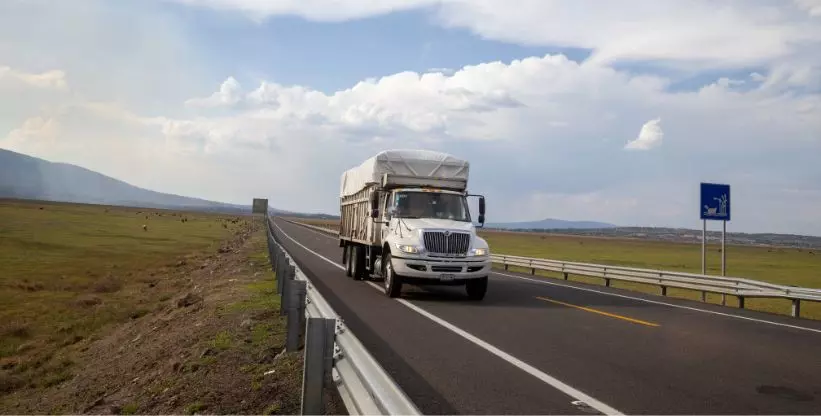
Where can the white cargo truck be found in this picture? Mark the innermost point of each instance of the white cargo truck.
(405, 217)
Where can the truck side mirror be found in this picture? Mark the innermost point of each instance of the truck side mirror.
(375, 204)
(482, 210)
(482, 206)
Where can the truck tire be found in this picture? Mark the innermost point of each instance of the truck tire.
(348, 268)
(393, 282)
(358, 258)
(476, 288)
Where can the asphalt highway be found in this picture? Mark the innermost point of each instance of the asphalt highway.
(545, 346)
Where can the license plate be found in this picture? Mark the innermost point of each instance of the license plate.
(447, 276)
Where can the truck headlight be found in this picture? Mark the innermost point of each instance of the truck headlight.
(479, 252)
(406, 248)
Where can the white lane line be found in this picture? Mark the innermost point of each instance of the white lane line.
(656, 302)
(546, 378)
(552, 381)
(672, 305)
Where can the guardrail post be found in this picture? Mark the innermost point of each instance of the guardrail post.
(606, 279)
(723, 299)
(287, 283)
(280, 271)
(664, 291)
(270, 246)
(566, 277)
(796, 308)
(274, 255)
(296, 315)
(532, 269)
(703, 296)
(741, 302)
(316, 370)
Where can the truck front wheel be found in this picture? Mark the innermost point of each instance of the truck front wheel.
(393, 282)
(476, 288)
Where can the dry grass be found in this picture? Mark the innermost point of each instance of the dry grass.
(68, 270)
(777, 265)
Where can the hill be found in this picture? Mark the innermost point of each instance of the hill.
(26, 177)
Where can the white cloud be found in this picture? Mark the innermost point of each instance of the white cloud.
(701, 33)
(55, 79)
(319, 10)
(540, 117)
(813, 7)
(229, 94)
(35, 128)
(446, 71)
(545, 135)
(650, 136)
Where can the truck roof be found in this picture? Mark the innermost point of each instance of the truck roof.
(407, 163)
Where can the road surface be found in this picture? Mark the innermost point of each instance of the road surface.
(545, 346)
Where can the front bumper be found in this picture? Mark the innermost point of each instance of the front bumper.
(442, 270)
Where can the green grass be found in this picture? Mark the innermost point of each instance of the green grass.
(193, 408)
(264, 298)
(222, 341)
(68, 270)
(130, 409)
(788, 266)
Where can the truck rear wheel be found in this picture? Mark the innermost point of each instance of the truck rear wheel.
(476, 288)
(348, 260)
(358, 257)
(393, 282)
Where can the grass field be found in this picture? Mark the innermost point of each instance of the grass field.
(788, 266)
(67, 271)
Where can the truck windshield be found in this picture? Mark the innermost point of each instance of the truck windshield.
(431, 205)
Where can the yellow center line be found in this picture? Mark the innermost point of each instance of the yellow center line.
(612, 315)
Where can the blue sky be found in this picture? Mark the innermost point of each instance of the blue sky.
(578, 110)
(330, 56)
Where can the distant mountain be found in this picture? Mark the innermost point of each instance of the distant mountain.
(550, 224)
(26, 177)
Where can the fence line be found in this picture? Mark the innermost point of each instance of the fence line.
(736, 286)
(333, 354)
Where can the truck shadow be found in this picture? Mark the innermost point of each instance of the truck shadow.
(456, 294)
(523, 295)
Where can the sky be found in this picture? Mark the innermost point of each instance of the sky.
(578, 110)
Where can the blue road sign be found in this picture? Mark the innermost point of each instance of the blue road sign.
(715, 202)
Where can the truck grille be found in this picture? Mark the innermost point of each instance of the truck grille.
(455, 244)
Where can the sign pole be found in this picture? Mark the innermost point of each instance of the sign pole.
(703, 247)
(714, 206)
(723, 249)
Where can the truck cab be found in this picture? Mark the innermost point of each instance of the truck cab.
(428, 238)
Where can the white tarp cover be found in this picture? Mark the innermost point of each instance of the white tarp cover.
(403, 162)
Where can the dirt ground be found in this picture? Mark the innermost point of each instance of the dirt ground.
(216, 347)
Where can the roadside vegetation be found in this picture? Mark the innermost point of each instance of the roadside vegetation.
(99, 314)
(781, 265)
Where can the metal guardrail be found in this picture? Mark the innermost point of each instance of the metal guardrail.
(333, 354)
(328, 230)
(735, 286)
(742, 288)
